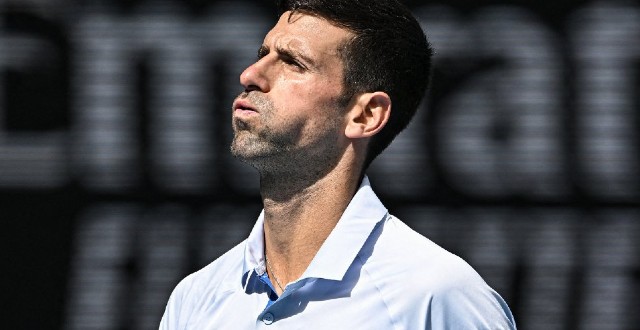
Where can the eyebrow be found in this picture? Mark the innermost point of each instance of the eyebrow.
(295, 54)
(264, 50)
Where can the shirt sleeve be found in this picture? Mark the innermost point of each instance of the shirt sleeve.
(176, 307)
(470, 307)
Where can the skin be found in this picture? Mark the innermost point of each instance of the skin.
(308, 146)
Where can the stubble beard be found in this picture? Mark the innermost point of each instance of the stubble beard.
(270, 150)
(256, 146)
(259, 149)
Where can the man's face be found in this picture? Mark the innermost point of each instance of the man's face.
(291, 112)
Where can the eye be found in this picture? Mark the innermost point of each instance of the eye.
(262, 52)
(291, 61)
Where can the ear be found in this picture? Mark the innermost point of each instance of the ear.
(369, 115)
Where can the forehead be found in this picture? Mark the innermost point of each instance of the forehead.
(307, 33)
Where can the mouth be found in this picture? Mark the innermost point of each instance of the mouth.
(243, 108)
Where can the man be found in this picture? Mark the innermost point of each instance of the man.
(333, 84)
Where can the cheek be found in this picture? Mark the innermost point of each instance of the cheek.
(310, 103)
(316, 90)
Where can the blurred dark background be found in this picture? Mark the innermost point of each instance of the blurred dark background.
(116, 182)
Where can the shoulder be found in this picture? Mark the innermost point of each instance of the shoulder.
(217, 273)
(399, 250)
(223, 274)
(425, 282)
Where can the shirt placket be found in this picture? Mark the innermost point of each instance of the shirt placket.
(275, 303)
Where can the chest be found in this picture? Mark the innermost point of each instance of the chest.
(318, 307)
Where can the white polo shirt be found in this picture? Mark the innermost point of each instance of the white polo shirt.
(372, 272)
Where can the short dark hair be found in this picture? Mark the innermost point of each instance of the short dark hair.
(389, 53)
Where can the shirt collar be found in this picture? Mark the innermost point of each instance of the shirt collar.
(341, 247)
(254, 250)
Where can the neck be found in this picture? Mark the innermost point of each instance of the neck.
(300, 211)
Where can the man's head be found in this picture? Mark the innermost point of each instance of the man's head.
(290, 117)
(326, 77)
(389, 52)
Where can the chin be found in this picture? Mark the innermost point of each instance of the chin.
(245, 153)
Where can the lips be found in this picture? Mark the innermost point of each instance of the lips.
(242, 107)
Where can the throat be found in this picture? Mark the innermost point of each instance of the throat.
(294, 231)
(299, 215)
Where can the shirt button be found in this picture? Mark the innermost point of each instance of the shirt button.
(268, 318)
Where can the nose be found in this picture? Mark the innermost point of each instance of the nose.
(254, 77)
